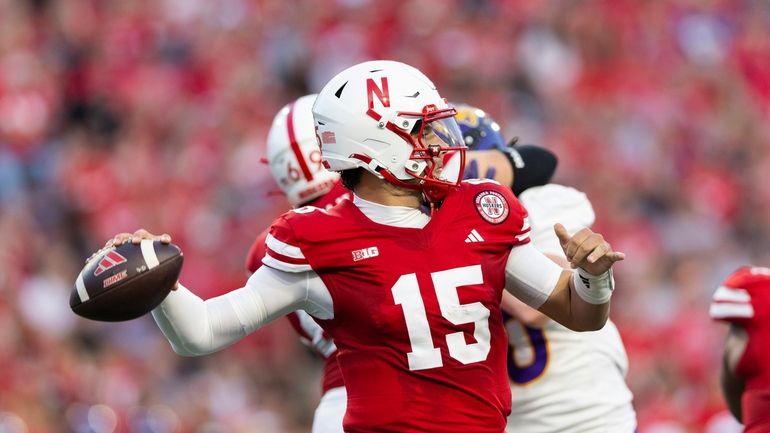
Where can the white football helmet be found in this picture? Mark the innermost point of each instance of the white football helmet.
(293, 154)
(388, 118)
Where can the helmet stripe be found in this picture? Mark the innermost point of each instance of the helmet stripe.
(295, 146)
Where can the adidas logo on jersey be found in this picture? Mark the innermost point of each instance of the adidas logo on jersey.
(365, 253)
(474, 236)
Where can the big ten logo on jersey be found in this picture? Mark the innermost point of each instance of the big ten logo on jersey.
(365, 253)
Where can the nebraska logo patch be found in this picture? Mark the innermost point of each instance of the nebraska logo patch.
(110, 260)
(492, 206)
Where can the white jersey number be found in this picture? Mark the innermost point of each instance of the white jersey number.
(406, 292)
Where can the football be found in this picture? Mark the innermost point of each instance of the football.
(125, 282)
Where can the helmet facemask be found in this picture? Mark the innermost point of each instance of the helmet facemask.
(435, 137)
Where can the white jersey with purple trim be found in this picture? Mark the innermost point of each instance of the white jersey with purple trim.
(561, 380)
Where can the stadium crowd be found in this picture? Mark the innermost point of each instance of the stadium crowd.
(116, 115)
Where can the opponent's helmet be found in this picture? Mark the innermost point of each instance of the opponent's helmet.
(293, 154)
(388, 118)
(479, 130)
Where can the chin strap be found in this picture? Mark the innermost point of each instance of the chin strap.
(433, 191)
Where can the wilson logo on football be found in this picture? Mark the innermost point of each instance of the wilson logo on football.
(492, 206)
(109, 261)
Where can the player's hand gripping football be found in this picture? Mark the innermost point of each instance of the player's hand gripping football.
(136, 237)
(587, 250)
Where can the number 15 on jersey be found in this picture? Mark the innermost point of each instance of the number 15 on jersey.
(424, 355)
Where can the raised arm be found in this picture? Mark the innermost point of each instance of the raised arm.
(523, 312)
(577, 299)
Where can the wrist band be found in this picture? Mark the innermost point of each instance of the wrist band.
(594, 289)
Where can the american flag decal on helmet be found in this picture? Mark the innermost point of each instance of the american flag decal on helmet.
(110, 260)
(328, 137)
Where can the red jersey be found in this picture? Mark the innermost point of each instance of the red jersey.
(326, 201)
(310, 332)
(744, 299)
(417, 317)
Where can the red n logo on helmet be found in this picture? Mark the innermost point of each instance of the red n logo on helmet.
(382, 93)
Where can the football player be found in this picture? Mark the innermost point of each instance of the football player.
(743, 302)
(294, 159)
(412, 300)
(563, 380)
(548, 395)
(488, 157)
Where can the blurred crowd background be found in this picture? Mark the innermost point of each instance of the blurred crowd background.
(122, 114)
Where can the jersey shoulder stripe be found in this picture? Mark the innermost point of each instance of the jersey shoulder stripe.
(731, 294)
(284, 257)
(283, 248)
(282, 265)
(731, 310)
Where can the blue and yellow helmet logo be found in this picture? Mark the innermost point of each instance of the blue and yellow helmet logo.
(480, 131)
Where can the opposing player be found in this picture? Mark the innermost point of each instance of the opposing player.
(294, 159)
(743, 301)
(413, 308)
(561, 380)
(489, 157)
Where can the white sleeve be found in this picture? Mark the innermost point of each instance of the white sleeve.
(530, 275)
(197, 327)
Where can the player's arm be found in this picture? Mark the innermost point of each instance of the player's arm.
(523, 312)
(197, 327)
(732, 385)
(577, 299)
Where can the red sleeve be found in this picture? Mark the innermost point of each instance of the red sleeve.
(257, 252)
(283, 248)
(519, 217)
